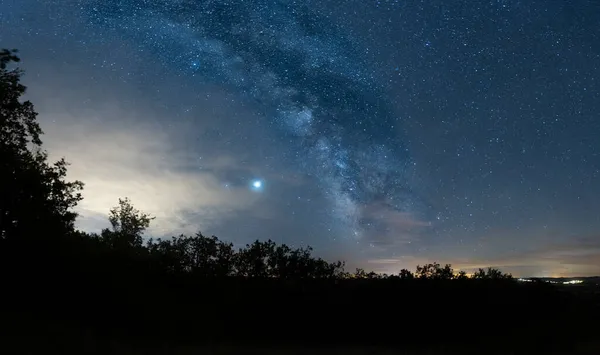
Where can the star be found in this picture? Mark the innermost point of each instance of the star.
(257, 185)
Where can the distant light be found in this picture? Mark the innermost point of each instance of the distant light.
(257, 184)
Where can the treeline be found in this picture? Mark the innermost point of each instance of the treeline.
(199, 289)
(208, 257)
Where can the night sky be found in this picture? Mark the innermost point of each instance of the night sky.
(383, 133)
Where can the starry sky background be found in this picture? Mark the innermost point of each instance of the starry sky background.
(383, 133)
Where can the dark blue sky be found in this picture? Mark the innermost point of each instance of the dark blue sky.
(385, 133)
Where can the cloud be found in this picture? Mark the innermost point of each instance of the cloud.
(181, 168)
(578, 257)
(130, 159)
(395, 264)
(387, 227)
(397, 220)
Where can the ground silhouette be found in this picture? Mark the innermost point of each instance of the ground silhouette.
(115, 292)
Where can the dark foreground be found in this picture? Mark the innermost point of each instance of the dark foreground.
(79, 313)
(26, 334)
(77, 295)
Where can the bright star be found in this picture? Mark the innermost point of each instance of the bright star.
(257, 185)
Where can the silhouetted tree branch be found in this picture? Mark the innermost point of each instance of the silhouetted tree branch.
(34, 194)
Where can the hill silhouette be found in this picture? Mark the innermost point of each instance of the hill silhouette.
(70, 291)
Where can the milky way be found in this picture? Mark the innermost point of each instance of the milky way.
(386, 133)
(308, 76)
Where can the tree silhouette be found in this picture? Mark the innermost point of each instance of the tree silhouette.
(210, 257)
(434, 271)
(128, 225)
(168, 255)
(461, 275)
(33, 192)
(406, 274)
(198, 255)
(126, 219)
(491, 274)
(253, 260)
(7, 56)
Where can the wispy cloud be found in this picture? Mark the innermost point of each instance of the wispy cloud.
(579, 257)
(117, 159)
(394, 265)
(388, 228)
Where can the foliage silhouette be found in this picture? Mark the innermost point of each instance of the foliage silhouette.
(201, 290)
(491, 274)
(406, 275)
(435, 271)
(128, 225)
(33, 192)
